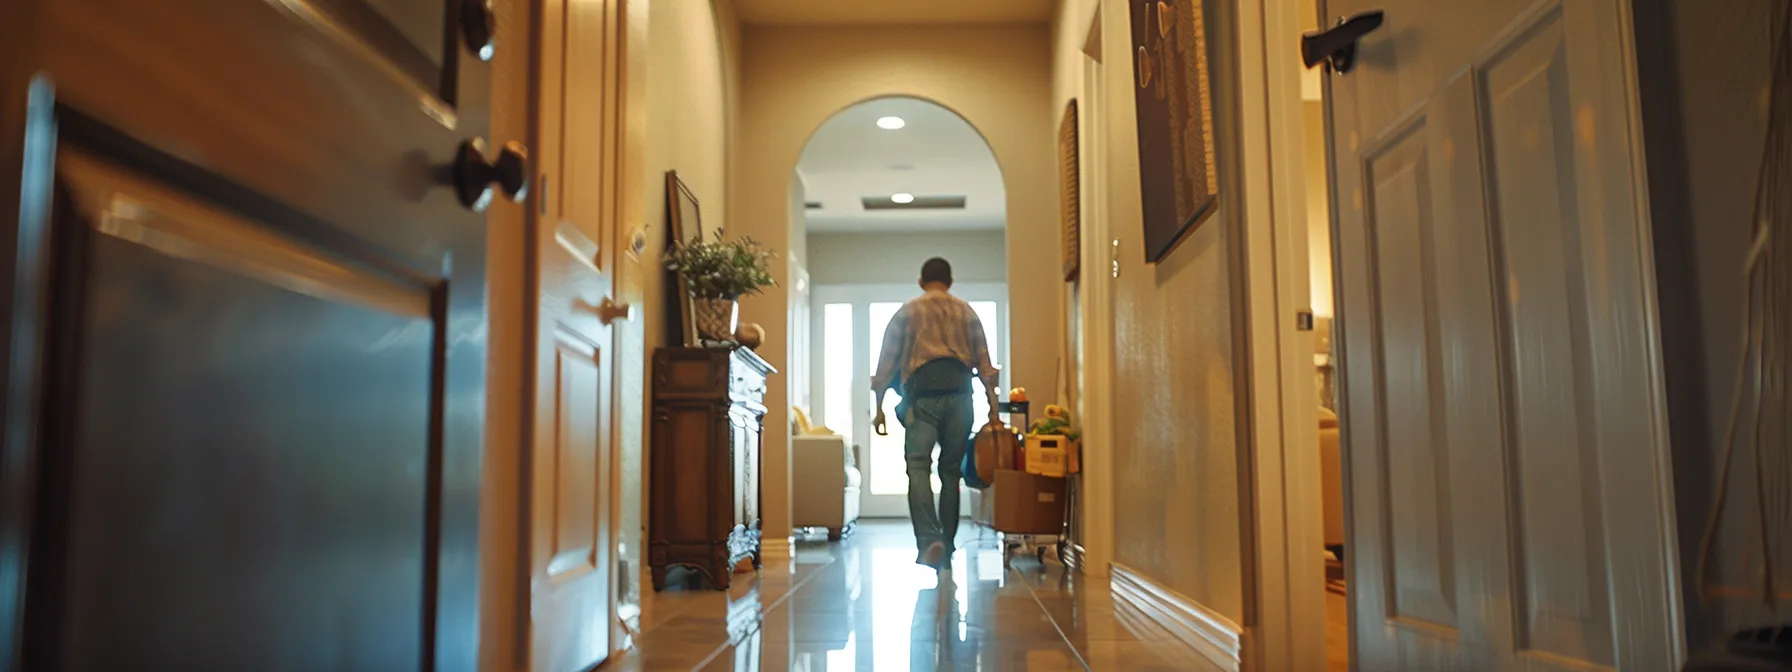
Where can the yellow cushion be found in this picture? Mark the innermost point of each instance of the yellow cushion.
(1327, 419)
(802, 420)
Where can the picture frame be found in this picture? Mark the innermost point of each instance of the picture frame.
(1179, 183)
(684, 221)
(1070, 192)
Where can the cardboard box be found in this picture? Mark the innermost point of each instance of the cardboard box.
(1028, 503)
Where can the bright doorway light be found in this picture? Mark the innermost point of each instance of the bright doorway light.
(902, 199)
(890, 123)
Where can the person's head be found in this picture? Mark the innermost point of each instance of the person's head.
(936, 274)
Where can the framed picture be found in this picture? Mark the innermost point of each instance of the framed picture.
(1069, 192)
(684, 221)
(1179, 187)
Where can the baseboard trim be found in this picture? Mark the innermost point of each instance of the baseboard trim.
(1074, 557)
(1216, 637)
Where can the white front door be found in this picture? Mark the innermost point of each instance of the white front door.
(848, 335)
(1509, 495)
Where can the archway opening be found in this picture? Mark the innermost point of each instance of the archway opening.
(881, 187)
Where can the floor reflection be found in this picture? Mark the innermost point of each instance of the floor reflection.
(863, 604)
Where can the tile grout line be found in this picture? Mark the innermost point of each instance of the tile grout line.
(766, 611)
(682, 607)
(1051, 619)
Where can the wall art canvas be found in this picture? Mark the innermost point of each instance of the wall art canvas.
(1070, 192)
(1178, 183)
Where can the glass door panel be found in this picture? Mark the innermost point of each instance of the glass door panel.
(889, 469)
(989, 312)
(838, 384)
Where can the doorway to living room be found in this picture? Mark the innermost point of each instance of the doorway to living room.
(886, 185)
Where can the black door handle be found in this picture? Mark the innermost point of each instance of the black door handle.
(1337, 46)
(474, 175)
(479, 25)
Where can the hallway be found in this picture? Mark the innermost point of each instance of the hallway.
(863, 604)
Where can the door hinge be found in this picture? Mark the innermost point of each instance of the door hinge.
(1303, 320)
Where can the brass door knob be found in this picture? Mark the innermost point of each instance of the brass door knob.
(611, 311)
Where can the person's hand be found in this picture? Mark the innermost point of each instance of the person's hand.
(879, 425)
(995, 414)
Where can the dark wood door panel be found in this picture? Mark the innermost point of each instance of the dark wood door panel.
(413, 35)
(244, 378)
(248, 477)
(240, 467)
(285, 100)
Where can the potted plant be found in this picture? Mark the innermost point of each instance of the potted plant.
(717, 273)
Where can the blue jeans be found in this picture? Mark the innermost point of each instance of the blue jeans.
(944, 420)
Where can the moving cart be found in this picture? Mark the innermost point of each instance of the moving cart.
(1030, 511)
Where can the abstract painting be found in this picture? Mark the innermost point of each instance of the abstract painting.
(1069, 192)
(1179, 187)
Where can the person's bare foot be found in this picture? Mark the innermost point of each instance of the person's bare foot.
(933, 556)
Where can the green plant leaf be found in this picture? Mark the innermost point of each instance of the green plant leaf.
(721, 268)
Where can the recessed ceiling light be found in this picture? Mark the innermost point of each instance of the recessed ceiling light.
(890, 123)
(903, 199)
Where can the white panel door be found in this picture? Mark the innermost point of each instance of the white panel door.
(1508, 483)
(571, 495)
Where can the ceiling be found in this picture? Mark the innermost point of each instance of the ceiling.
(898, 12)
(936, 154)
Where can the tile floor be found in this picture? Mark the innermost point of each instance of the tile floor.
(863, 604)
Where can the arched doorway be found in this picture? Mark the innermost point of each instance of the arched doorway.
(881, 187)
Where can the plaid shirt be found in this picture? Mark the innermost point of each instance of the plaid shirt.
(936, 325)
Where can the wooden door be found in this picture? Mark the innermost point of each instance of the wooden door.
(245, 334)
(1508, 490)
(578, 119)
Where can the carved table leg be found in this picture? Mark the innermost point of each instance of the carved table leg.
(720, 572)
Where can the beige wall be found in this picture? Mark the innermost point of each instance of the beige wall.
(896, 258)
(996, 77)
(691, 72)
(1704, 91)
(1175, 453)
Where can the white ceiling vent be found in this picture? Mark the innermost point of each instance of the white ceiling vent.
(919, 203)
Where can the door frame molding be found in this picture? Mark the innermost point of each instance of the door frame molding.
(1281, 501)
(1097, 297)
(628, 396)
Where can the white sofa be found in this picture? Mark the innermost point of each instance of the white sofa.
(825, 483)
(1331, 465)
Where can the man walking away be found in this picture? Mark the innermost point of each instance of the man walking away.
(932, 347)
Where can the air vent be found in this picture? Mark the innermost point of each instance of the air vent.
(920, 203)
(812, 205)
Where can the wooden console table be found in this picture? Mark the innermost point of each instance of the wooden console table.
(708, 415)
